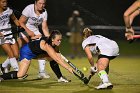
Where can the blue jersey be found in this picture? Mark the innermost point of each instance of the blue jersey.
(32, 49)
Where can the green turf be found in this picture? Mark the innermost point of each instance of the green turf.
(124, 74)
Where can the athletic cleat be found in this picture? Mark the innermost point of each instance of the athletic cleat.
(63, 79)
(43, 75)
(104, 86)
(1, 69)
(24, 77)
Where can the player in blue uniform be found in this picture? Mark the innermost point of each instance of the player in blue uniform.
(45, 47)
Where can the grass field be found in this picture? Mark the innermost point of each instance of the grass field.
(124, 74)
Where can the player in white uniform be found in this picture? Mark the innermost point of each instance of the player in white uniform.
(33, 16)
(129, 15)
(8, 43)
(105, 48)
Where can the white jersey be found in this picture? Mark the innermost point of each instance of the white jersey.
(5, 19)
(34, 20)
(106, 46)
(5, 27)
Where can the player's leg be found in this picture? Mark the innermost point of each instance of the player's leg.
(55, 67)
(15, 50)
(102, 64)
(4, 66)
(7, 48)
(107, 69)
(42, 72)
(23, 68)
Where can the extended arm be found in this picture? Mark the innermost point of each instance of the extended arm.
(129, 16)
(91, 60)
(13, 17)
(51, 52)
(22, 22)
(89, 55)
(130, 13)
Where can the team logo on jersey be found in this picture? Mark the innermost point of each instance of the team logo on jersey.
(4, 17)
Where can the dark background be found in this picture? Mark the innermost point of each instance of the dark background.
(94, 12)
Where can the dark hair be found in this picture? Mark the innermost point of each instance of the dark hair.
(53, 34)
(38, 0)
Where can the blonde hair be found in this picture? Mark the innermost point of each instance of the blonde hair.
(87, 32)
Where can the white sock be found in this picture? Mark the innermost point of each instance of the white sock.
(6, 63)
(14, 63)
(103, 75)
(42, 64)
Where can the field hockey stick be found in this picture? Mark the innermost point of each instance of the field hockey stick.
(81, 77)
(73, 66)
(92, 73)
(88, 79)
(134, 38)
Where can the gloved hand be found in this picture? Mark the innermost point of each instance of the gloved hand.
(93, 70)
(129, 33)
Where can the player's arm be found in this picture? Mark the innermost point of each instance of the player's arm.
(45, 28)
(133, 15)
(51, 52)
(91, 60)
(130, 31)
(23, 19)
(89, 55)
(128, 12)
(129, 15)
(15, 20)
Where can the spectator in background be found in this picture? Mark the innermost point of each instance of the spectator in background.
(129, 16)
(75, 25)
